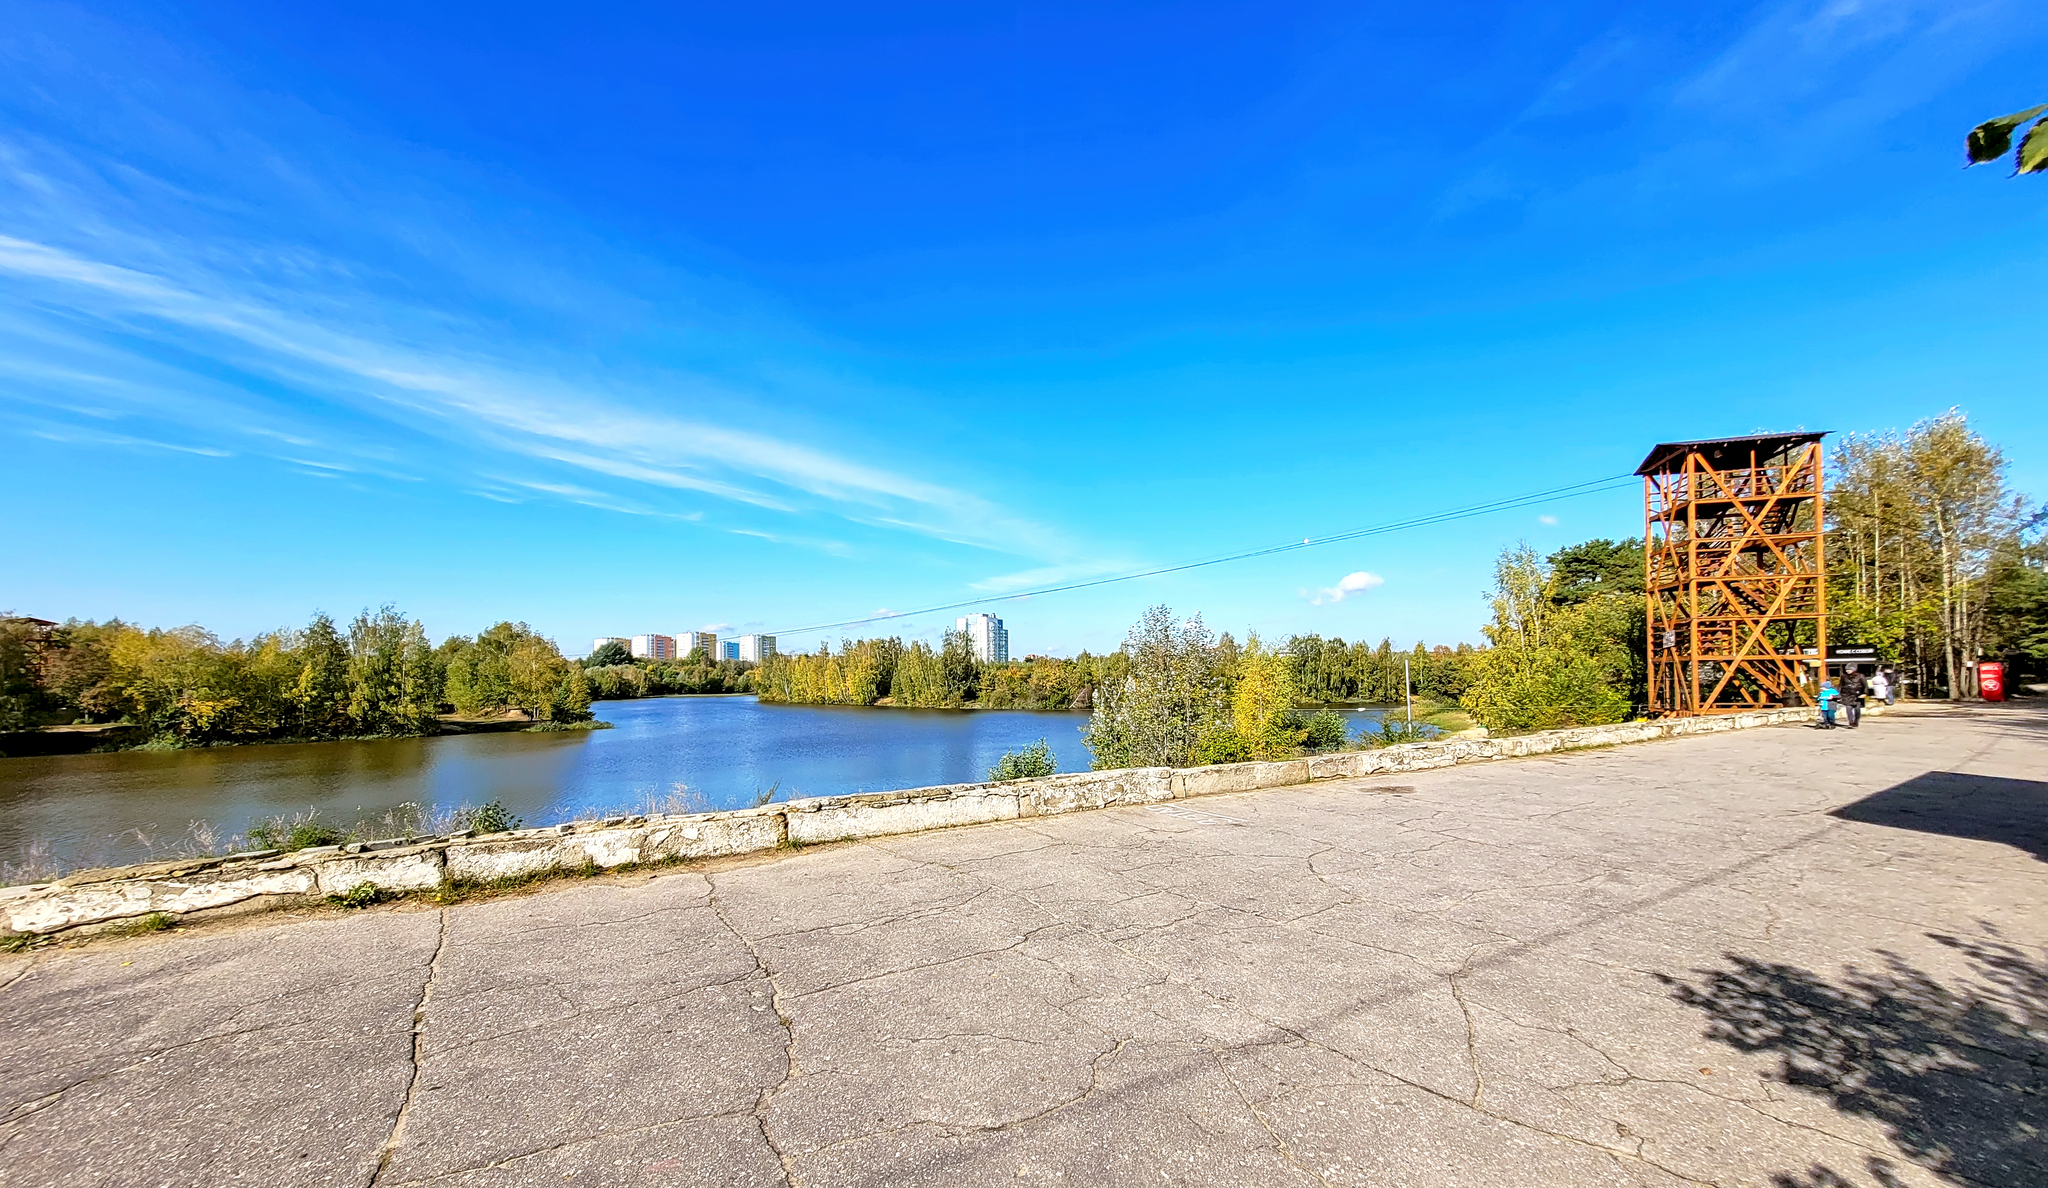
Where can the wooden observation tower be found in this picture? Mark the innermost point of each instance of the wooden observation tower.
(1736, 588)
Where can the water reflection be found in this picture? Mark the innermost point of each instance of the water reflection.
(727, 751)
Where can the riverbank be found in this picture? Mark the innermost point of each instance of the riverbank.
(109, 737)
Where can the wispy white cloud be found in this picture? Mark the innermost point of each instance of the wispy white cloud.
(590, 426)
(123, 441)
(1547, 521)
(837, 548)
(1347, 586)
(1052, 575)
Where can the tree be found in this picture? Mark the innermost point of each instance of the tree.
(1917, 523)
(1594, 568)
(963, 671)
(1550, 664)
(512, 667)
(2016, 609)
(1168, 699)
(320, 690)
(19, 640)
(395, 680)
(920, 677)
(612, 652)
(1262, 704)
(1991, 139)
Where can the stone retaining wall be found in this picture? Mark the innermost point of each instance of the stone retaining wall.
(263, 879)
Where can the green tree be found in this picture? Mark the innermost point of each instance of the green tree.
(1168, 699)
(510, 666)
(963, 671)
(395, 680)
(320, 689)
(612, 652)
(20, 639)
(1917, 524)
(1594, 568)
(1549, 665)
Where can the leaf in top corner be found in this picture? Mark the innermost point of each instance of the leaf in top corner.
(1989, 140)
(2033, 154)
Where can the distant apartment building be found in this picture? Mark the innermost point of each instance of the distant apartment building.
(986, 636)
(602, 640)
(728, 650)
(755, 648)
(690, 641)
(654, 647)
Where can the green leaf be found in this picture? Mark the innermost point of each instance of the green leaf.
(1989, 140)
(2033, 154)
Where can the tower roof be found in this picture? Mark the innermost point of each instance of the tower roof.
(1722, 452)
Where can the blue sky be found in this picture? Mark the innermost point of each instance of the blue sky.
(653, 320)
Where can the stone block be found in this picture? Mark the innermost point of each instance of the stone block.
(55, 907)
(416, 869)
(841, 819)
(714, 835)
(1080, 791)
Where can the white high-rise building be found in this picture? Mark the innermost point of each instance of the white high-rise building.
(755, 648)
(602, 640)
(986, 636)
(690, 641)
(654, 647)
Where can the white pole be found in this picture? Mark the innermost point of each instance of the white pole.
(1408, 690)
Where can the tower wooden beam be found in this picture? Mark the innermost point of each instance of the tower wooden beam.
(1735, 580)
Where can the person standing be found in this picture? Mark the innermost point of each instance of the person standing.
(1854, 686)
(1827, 704)
(1891, 687)
(1881, 686)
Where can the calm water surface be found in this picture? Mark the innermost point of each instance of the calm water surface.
(726, 751)
(93, 809)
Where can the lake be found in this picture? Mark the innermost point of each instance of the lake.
(716, 752)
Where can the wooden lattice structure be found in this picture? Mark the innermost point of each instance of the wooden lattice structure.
(1736, 588)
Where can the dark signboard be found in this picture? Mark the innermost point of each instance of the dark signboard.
(1859, 652)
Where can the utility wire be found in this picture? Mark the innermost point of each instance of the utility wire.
(1593, 486)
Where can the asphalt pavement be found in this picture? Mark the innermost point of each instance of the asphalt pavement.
(1780, 957)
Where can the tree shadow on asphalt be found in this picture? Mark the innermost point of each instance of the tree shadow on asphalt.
(1986, 808)
(1958, 1076)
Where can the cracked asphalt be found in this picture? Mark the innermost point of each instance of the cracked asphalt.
(1778, 957)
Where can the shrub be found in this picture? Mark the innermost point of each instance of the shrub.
(1222, 746)
(489, 817)
(1034, 760)
(1326, 730)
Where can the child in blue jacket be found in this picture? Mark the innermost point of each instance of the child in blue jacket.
(1828, 693)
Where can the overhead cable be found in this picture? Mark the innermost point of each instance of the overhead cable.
(1571, 491)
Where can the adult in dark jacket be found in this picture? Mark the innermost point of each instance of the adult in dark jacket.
(1854, 688)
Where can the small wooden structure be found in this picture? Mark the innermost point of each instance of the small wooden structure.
(1736, 586)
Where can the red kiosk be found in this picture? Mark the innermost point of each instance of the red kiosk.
(1991, 680)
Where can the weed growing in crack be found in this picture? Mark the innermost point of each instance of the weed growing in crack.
(143, 925)
(362, 895)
